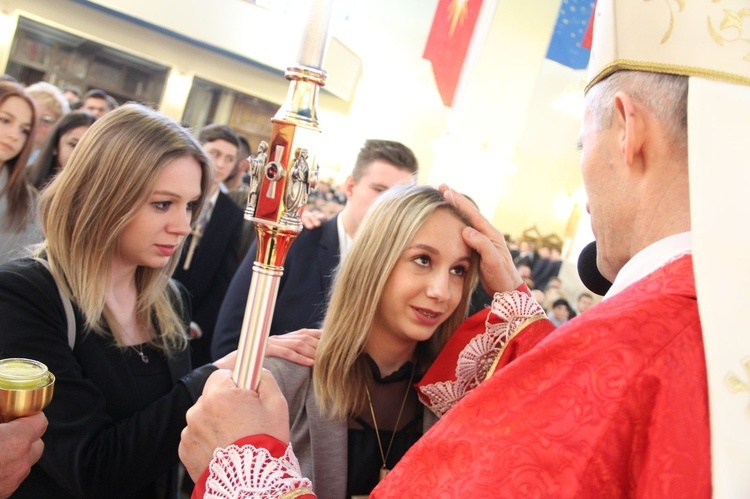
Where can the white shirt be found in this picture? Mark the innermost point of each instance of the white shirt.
(211, 202)
(345, 242)
(650, 259)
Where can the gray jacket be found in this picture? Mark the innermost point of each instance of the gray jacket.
(320, 444)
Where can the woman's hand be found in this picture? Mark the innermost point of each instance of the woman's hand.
(298, 346)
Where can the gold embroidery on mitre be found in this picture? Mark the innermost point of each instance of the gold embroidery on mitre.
(734, 21)
(676, 69)
(737, 385)
(668, 33)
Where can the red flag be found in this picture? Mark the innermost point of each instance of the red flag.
(589, 34)
(448, 43)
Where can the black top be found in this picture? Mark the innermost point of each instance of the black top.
(114, 422)
(364, 458)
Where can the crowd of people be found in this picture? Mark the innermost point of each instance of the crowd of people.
(125, 265)
(42, 128)
(540, 271)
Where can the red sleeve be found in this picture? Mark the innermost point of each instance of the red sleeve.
(275, 446)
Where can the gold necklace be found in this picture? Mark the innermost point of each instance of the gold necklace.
(384, 456)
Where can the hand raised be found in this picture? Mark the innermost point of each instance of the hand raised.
(496, 269)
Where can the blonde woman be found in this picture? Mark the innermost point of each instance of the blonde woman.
(50, 105)
(402, 291)
(114, 221)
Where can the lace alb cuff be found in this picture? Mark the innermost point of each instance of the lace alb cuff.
(510, 312)
(249, 471)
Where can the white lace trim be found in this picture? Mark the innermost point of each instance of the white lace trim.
(252, 472)
(513, 308)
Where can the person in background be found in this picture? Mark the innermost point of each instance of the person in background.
(96, 102)
(50, 106)
(526, 254)
(238, 193)
(560, 312)
(584, 302)
(59, 146)
(546, 267)
(553, 292)
(235, 182)
(308, 269)
(114, 222)
(211, 253)
(525, 272)
(112, 103)
(18, 225)
(73, 95)
(539, 295)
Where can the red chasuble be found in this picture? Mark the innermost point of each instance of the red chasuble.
(612, 404)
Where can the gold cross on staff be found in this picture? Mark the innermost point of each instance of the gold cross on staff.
(737, 385)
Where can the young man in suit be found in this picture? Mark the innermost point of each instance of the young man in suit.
(308, 270)
(212, 250)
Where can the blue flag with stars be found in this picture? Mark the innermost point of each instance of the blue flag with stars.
(572, 21)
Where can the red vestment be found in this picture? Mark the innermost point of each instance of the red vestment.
(611, 404)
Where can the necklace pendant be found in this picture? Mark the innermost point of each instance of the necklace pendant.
(139, 351)
(383, 472)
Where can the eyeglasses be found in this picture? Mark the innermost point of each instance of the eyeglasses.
(47, 119)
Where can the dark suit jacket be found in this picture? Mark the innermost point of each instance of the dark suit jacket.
(527, 259)
(303, 288)
(214, 263)
(248, 229)
(544, 275)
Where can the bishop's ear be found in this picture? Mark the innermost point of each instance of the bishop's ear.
(627, 116)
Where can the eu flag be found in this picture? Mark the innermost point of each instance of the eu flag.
(572, 21)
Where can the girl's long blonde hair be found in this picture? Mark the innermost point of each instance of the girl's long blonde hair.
(109, 177)
(340, 372)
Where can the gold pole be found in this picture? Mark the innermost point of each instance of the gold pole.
(282, 175)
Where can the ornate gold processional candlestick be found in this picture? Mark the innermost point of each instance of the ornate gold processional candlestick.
(282, 175)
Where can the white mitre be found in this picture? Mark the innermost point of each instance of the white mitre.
(709, 41)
